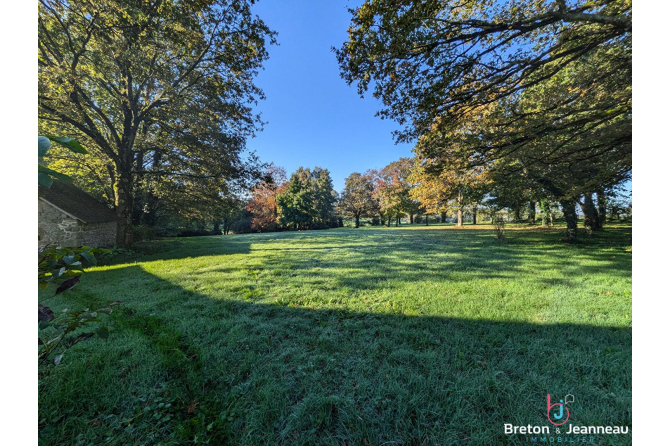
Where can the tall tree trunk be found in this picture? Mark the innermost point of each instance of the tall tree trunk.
(531, 212)
(459, 214)
(137, 190)
(358, 220)
(217, 227)
(411, 218)
(123, 199)
(601, 199)
(149, 217)
(443, 217)
(591, 217)
(474, 215)
(388, 225)
(546, 211)
(426, 219)
(517, 213)
(568, 207)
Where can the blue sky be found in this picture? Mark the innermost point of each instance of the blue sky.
(314, 118)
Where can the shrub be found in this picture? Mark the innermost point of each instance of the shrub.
(319, 225)
(143, 232)
(499, 227)
(242, 226)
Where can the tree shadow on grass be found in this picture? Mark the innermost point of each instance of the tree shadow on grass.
(244, 372)
(369, 240)
(180, 248)
(438, 255)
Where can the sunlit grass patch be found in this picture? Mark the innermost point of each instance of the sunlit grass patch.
(404, 335)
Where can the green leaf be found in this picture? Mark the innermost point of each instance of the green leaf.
(69, 143)
(45, 313)
(43, 145)
(69, 259)
(53, 173)
(68, 284)
(44, 180)
(58, 272)
(90, 258)
(76, 266)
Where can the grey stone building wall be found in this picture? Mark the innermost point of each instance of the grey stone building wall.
(98, 235)
(57, 228)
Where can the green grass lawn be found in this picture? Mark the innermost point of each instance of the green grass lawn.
(408, 335)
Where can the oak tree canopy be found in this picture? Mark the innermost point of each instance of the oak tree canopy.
(154, 88)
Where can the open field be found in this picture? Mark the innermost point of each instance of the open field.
(363, 337)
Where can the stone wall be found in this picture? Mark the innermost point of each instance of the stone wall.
(99, 235)
(56, 228)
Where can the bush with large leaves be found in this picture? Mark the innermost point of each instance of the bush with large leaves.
(62, 267)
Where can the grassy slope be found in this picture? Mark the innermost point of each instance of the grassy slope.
(408, 336)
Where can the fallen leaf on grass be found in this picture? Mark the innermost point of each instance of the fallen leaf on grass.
(70, 283)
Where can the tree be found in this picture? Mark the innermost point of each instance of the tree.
(571, 166)
(515, 192)
(325, 196)
(307, 201)
(89, 173)
(295, 204)
(534, 89)
(428, 59)
(230, 210)
(448, 190)
(392, 190)
(263, 203)
(162, 83)
(357, 200)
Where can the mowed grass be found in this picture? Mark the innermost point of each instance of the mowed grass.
(408, 335)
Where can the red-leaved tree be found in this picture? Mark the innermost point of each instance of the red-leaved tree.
(263, 203)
